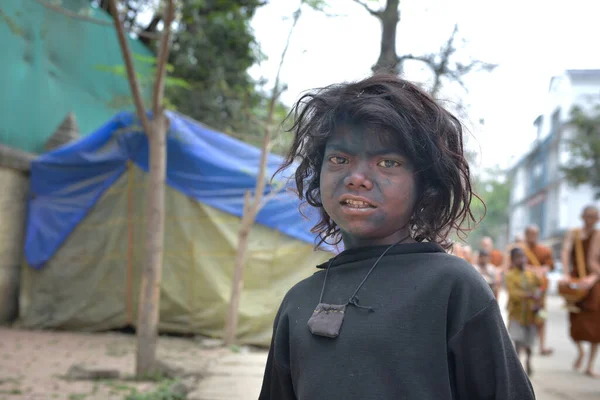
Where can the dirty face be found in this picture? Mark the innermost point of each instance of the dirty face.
(367, 187)
(519, 259)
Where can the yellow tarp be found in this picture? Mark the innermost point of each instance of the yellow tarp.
(92, 282)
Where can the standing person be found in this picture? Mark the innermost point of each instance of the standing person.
(539, 259)
(496, 256)
(524, 296)
(488, 271)
(579, 254)
(393, 316)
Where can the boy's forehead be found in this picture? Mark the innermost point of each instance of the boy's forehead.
(362, 137)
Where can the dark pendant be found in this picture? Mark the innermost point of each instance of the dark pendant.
(327, 320)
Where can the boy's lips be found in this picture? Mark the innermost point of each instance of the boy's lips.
(356, 204)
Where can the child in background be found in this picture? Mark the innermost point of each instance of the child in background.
(393, 316)
(524, 296)
(488, 271)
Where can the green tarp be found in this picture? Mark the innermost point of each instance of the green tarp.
(54, 63)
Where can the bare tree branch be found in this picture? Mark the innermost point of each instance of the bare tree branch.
(424, 59)
(131, 75)
(369, 9)
(253, 204)
(92, 20)
(163, 53)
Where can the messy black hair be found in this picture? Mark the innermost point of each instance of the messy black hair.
(427, 134)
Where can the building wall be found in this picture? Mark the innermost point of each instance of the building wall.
(539, 193)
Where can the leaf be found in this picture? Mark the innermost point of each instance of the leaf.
(177, 82)
(144, 58)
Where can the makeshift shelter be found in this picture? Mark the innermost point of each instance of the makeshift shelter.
(54, 61)
(14, 179)
(85, 233)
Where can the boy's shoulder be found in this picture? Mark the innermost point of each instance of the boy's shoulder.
(462, 287)
(454, 268)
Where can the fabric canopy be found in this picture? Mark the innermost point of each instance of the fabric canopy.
(208, 166)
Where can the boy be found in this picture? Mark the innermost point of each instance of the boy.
(524, 302)
(488, 271)
(392, 316)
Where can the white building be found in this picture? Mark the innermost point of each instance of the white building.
(539, 193)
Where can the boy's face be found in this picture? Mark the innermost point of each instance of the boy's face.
(484, 259)
(519, 259)
(367, 187)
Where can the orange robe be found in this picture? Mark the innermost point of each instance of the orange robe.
(585, 325)
(537, 256)
(497, 258)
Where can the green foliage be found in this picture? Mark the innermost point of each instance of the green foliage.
(145, 79)
(164, 391)
(494, 191)
(584, 149)
(213, 49)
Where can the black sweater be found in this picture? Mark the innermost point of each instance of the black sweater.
(436, 333)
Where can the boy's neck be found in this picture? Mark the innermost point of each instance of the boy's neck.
(353, 242)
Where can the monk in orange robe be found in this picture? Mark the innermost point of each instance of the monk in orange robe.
(496, 256)
(585, 323)
(540, 261)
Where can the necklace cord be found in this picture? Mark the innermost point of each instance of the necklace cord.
(353, 299)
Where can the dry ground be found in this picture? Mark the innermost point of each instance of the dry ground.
(32, 364)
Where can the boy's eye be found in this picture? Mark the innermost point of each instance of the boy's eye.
(338, 160)
(388, 163)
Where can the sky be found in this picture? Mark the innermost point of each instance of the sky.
(531, 41)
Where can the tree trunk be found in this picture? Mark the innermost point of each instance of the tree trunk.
(149, 300)
(156, 132)
(252, 205)
(238, 273)
(389, 18)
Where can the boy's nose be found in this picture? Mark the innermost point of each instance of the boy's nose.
(358, 179)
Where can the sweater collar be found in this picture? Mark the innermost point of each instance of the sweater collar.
(365, 253)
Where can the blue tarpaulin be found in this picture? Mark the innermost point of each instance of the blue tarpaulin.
(208, 166)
